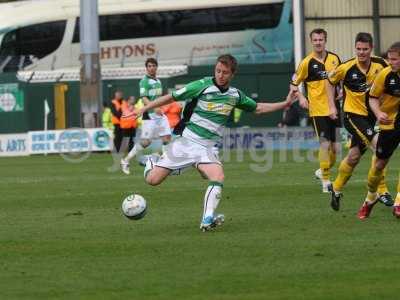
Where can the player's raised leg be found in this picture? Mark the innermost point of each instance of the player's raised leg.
(324, 165)
(346, 168)
(138, 147)
(153, 174)
(396, 206)
(383, 194)
(374, 177)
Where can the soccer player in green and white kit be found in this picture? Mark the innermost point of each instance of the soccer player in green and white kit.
(155, 123)
(215, 101)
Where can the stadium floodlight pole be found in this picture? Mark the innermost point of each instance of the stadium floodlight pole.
(377, 26)
(298, 30)
(90, 73)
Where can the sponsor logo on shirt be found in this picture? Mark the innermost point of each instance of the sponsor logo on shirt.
(155, 92)
(219, 107)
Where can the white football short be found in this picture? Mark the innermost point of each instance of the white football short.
(155, 128)
(182, 153)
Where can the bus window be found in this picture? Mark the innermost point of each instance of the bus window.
(190, 22)
(249, 17)
(20, 46)
(197, 21)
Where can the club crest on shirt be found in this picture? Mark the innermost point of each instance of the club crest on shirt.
(323, 74)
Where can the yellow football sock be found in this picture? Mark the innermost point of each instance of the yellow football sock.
(381, 185)
(374, 179)
(332, 158)
(345, 172)
(324, 163)
(371, 197)
(397, 200)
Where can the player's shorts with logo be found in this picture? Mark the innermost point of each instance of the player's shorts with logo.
(155, 128)
(361, 129)
(326, 129)
(183, 152)
(388, 141)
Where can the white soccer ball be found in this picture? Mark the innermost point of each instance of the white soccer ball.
(134, 207)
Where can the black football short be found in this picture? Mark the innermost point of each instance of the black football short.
(388, 141)
(361, 129)
(326, 129)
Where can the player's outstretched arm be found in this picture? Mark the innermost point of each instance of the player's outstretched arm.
(263, 108)
(330, 91)
(166, 99)
(303, 101)
(381, 116)
(145, 100)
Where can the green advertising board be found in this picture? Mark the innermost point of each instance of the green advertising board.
(11, 98)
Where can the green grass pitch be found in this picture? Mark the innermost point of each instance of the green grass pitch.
(62, 235)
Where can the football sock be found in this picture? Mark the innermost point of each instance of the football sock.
(149, 166)
(381, 185)
(324, 163)
(374, 178)
(345, 172)
(332, 158)
(138, 147)
(397, 200)
(371, 197)
(211, 198)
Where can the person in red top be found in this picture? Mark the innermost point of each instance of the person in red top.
(116, 111)
(173, 113)
(128, 124)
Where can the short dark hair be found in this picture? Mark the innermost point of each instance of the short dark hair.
(151, 60)
(229, 61)
(319, 31)
(395, 47)
(364, 37)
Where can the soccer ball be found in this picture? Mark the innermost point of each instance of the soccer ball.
(134, 207)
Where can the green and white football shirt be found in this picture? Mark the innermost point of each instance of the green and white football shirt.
(151, 88)
(213, 108)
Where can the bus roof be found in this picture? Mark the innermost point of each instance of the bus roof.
(22, 13)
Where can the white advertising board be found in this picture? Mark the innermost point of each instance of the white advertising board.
(14, 144)
(69, 140)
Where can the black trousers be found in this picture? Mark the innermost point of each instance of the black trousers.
(117, 137)
(129, 133)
